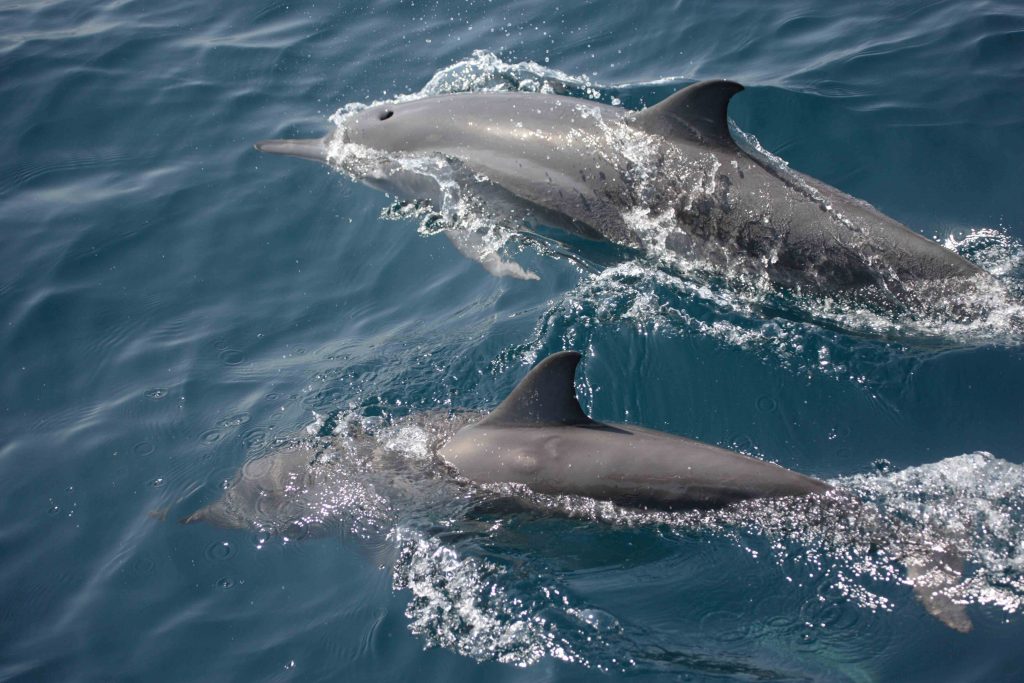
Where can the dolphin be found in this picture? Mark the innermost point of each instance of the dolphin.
(539, 436)
(669, 180)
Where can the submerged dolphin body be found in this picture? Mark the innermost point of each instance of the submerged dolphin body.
(669, 179)
(539, 436)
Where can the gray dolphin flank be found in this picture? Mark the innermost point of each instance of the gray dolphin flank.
(539, 436)
(669, 179)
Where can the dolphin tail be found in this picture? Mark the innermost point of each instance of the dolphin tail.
(316, 149)
(931, 577)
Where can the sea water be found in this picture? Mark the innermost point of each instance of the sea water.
(175, 306)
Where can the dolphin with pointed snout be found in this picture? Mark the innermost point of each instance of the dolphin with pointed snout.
(540, 437)
(669, 179)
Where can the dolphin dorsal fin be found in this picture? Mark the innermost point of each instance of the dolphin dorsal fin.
(697, 112)
(546, 396)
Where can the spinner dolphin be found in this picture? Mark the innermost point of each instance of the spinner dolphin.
(668, 179)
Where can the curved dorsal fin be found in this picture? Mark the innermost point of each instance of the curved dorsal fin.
(546, 396)
(697, 112)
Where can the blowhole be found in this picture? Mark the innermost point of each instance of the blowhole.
(386, 114)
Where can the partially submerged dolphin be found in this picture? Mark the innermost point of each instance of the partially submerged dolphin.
(669, 180)
(539, 436)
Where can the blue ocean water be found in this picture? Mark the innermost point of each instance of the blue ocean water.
(175, 305)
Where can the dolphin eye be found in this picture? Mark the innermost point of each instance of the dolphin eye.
(386, 114)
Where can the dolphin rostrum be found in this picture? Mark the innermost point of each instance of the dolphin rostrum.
(669, 180)
(539, 436)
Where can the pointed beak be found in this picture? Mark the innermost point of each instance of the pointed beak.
(315, 150)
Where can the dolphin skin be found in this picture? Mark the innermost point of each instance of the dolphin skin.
(262, 493)
(668, 180)
(539, 436)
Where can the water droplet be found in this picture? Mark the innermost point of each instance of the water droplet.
(143, 448)
(232, 357)
(234, 420)
(221, 550)
(141, 566)
(260, 538)
(254, 439)
(210, 436)
(256, 468)
(596, 619)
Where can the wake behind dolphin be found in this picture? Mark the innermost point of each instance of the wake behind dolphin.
(668, 180)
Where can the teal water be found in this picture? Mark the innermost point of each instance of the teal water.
(174, 305)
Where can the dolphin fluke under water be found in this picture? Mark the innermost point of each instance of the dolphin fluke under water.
(669, 180)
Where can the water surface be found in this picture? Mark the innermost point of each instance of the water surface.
(175, 305)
